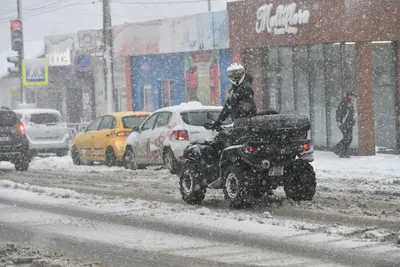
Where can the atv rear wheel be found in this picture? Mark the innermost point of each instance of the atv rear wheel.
(236, 187)
(301, 184)
(191, 185)
(22, 163)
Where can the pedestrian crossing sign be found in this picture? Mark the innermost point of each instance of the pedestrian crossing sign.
(35, 72)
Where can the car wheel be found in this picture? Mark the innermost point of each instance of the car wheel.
(111, 159)
(22, 163)
(76, 159)
(129, 159)
(170, 161)
(62, 153)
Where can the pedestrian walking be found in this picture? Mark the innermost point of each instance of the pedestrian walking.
(345, 120)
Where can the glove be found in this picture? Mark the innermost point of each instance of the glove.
(215, 125)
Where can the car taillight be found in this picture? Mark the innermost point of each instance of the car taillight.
(305, 147)
(21, 129)
(123, 133)
(251, 149)
(181, 135)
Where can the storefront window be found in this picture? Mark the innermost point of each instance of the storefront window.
(273, 79)
(384, 63)
(301, 81)
(317, 90)
(350, 83)
(334, 86)
(311, 81)
(286, 76)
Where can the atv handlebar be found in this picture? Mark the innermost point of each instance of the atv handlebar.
(210, 126)
(218, 128)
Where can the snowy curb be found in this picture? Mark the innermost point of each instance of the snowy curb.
(52, 192)
(14, 255)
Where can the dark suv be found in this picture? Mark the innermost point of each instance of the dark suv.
(14, 145)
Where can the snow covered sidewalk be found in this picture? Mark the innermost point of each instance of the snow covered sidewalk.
(381, 168)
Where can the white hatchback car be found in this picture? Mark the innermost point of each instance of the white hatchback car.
(163, 137)
(46, 131)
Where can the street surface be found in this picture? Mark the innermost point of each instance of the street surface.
(137, 218)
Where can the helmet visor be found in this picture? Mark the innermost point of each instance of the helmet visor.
(236, 75)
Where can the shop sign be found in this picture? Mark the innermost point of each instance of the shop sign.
(284, 20)
(59, 59)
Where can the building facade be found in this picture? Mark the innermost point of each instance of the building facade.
(175, 60)
(305, 55)
(77, 93)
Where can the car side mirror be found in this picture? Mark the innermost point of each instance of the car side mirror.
(136, 129)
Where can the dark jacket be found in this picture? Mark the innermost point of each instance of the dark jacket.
(345, 113)
(240, 102)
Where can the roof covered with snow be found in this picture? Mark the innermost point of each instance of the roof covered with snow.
(32, 50)
(193, 105)
(36, 111)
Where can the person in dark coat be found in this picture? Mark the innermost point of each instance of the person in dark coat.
(240, 102)
(345, 121)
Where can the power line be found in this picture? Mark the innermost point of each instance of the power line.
(56, 9)
(35, 7)
(162, 3)
(48, 10)
(143, 5)
(45, 6)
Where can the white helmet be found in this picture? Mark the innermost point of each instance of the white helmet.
(236, 73)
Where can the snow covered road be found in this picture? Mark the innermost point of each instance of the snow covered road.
(353, 220)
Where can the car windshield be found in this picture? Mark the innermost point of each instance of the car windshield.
(199, 118)
(44, 118)
(129, 121)
(8, 118)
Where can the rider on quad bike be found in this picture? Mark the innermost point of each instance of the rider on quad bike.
(240, 102)
(258, 153)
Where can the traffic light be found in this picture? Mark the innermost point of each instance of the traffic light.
(16, 35)
(16, 70)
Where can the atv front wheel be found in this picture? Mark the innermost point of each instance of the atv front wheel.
(301, 183)
(191, 185)
(236, 187)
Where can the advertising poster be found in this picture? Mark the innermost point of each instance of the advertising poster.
(202, 77)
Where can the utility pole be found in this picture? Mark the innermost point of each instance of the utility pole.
(213, 27)
(112, 103)
(21, 53)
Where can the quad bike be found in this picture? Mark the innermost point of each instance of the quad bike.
(256, 155)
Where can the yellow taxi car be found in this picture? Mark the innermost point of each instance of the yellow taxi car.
(104, 138)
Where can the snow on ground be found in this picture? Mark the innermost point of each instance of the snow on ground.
(202, 217)
(61, 164)
(14, 255)
(377, 174)
(382, 167)
(53, 192)
(380, 172)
